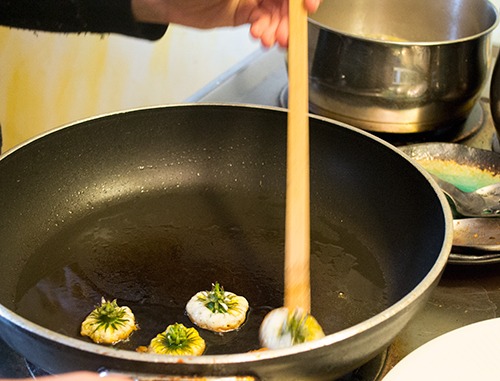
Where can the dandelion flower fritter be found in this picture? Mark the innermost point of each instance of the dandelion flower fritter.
(178, 340)
(109, 323)
(217, 310)
(284, 328)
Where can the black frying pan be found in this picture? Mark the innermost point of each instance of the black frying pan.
(151, 206)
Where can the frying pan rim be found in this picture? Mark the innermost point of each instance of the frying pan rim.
(339, 336)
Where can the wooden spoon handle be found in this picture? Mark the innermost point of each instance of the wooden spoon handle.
(297, 223)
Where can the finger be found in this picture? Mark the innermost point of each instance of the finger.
(258, 27)
(312, 5)
(268, 39)
(260, 31)
(282, 32)
(84, 376)
(269, 35)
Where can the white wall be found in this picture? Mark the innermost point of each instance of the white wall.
(496, 32)
(48, 80)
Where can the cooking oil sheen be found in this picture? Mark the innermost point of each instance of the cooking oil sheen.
(153, 253)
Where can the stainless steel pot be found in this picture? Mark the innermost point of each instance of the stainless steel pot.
(399, 66)
(150, 206)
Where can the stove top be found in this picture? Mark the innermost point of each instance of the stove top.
(12, 365)
(465, 294)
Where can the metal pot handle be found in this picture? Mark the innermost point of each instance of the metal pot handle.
(495, 98)
(163, 377)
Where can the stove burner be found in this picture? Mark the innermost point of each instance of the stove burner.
(453, 134)
(496, 143)
(35, 371)
(373, 370)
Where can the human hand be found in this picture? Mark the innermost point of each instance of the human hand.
(76, 376)
(268, 18)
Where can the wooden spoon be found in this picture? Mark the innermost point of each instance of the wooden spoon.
(293, 324)
(297, 223)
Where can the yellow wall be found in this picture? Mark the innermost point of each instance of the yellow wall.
(48, 80)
